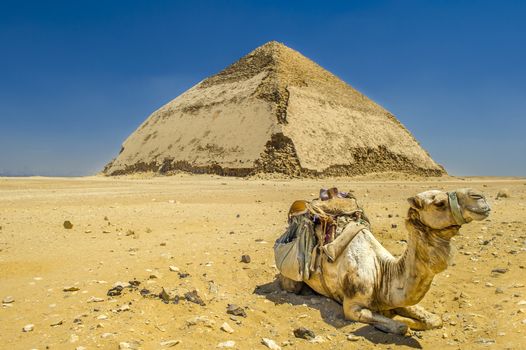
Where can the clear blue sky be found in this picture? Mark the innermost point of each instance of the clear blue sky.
(77, 77)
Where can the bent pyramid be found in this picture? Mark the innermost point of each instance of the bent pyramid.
(274, 110)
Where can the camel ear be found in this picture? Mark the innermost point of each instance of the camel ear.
(415, 202)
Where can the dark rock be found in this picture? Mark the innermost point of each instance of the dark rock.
(193, 297)
(245, 259)
(134, 283)
(394, 225)
(164, 296)
(304, 333)
(68, 225)
(499, 270)
(183, 274)
(115, 291)
(144, 292)
(235, 310)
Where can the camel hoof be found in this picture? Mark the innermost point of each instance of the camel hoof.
(398, 328)
(289, 285)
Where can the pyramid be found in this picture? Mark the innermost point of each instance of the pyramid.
(273, 111)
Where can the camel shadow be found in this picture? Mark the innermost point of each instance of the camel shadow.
(331, 312)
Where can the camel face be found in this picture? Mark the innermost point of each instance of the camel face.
(437, 209)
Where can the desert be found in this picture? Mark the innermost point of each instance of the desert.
(186, 234)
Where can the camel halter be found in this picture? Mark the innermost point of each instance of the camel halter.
(455, 208)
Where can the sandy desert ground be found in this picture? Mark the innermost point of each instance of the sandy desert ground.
(127, 229)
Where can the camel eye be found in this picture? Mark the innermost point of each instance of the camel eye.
(440, 204)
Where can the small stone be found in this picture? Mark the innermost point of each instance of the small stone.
(174, 268)
(56, 323)
(227, 344)
(304, 333)
(522, 302)
(394, 225)
(123, 307)
(102, 317)
(80, 348)
(68, 225)
(235, 310)
(245, 259)
(8, 300)
(225, 327)
(503, 193)
(115, 291)
(499, 270)
(28, 327)
(200, 320)
(488, 284)
(212, 287)
(106, 335)
(71, 289)
(73, 338)
(352, 337)
(318, 339)
(271, 344)
(485, 341)
(169, 343)
(498, 290)
(193, 297)
(164, 296)
(155, 276)
(95, 300)
(133, 345)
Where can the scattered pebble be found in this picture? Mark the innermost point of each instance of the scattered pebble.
(68, 225)
(503, 193)
(95, 300)
(235, 310)
(71, 289)
(499, 270)
(115, 291)
(8, 300)
(271, 344)
(193, 297)
(28, 327)
(200, 320)
(174, 268)
(227, 344)
(304, 333)
(225, 327)
(169, 343)
(352, 337)
(133, 345)
(245, 259)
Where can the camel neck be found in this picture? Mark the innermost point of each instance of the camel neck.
(409, 277)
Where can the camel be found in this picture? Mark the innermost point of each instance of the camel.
(378, 289)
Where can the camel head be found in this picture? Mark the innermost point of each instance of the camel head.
(439, 210)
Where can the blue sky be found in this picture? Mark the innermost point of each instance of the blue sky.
(77, 77)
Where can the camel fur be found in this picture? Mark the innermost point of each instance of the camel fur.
(374, 286)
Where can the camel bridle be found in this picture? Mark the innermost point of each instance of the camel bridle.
(455, 208)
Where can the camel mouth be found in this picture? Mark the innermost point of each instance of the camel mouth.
(480, 211)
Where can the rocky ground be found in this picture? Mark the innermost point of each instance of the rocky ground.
(155, 263)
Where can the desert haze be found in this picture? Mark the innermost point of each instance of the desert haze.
(187, 261)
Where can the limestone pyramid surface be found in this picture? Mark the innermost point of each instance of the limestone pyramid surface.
(274, 110)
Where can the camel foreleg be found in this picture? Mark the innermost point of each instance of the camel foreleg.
(417, 318)
(359, 313)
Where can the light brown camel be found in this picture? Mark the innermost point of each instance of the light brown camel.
(374, 286)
